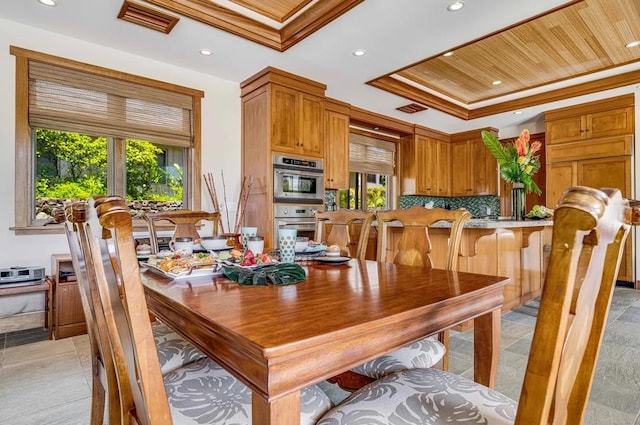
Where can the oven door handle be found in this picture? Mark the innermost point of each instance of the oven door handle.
(298, 223)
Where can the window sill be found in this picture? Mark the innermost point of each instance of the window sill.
(58, 228)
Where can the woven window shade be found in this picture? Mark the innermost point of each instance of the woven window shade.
(71, 100)
(369, 155)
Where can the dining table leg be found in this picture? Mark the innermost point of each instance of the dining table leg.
(486, 348)
(281, 411)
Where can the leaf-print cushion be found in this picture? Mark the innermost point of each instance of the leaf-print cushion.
(421, 354)
(203, 392)
(173, 350)
(424, 397)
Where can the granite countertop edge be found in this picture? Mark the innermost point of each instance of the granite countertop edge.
(482, 223)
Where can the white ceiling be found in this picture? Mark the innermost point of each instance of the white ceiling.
(393, 32)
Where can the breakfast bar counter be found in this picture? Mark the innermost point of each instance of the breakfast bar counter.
(517, 249)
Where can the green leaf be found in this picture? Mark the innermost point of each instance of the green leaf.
(495, 148)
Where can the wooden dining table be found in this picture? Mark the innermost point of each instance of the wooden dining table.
(279, 339)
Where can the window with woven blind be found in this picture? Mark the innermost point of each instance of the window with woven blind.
(370, 155)
(83, 102)
(83, 130)
(371, 171)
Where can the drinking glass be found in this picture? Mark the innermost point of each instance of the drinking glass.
(255, 244)
(246, 232)
(287, 244)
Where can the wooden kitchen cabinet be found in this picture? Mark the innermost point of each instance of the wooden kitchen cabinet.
(426, 163)
(591, 145)
(602, 172)
(336, 148)
(474, 171)
(279, 110)
(297, 122)
(605, 118)
(67, 316)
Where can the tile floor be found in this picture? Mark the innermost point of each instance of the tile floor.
(48, 382)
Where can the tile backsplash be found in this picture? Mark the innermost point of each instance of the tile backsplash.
(479, 206)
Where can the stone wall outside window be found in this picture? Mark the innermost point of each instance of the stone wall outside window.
(46, 207)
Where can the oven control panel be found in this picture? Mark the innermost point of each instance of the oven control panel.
(296, 211)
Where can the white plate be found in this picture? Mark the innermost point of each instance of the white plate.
(332, 260)
(197, 272)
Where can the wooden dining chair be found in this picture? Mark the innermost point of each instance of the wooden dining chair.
(342, 224)
(185, 222)
(590, 227)
(103, 377)
(173, 351)
(414, 248)
(199, 392)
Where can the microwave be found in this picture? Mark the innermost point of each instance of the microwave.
(298, 180)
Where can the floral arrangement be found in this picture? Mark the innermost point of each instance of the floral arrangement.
(518, 160)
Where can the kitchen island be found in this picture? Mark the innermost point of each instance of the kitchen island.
(515, 249)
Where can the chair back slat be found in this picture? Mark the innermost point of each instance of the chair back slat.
(185, 222)
(128, 301)
(342, 222)
(103, 368)
(590, 227)
(414, 247)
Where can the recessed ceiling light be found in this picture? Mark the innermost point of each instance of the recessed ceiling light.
(448, 54)
(47, 2)
(359, 52)
(518, 112)
(633, 43)
(205, 52)
(496, 82)
(455, 6)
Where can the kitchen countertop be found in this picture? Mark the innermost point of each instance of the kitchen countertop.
(484, 223)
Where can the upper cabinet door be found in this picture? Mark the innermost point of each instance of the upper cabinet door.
(311, 125)
(297, 122)
(284, 119)
(592, 120)
(336, 151)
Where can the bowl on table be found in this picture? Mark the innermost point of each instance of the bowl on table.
(332, 251)
(214, 242)
(302, 243)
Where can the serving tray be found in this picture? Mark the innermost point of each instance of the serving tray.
(208, 270)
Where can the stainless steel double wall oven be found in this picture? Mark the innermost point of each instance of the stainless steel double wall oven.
(298, 193)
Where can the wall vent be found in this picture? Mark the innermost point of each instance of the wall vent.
(412, 108)
(147, 17)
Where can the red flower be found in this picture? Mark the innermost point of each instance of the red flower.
(520, 147)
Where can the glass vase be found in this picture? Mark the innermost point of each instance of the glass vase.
(517, 202)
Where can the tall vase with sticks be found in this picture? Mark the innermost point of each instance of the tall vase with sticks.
(233, 233)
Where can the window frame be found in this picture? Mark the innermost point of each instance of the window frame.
(25, 147)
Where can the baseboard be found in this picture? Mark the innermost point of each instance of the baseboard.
(19, 322)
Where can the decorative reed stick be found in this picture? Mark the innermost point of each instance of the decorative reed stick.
(226, 205)
(243, 198)
(211, 188)
(242, 202)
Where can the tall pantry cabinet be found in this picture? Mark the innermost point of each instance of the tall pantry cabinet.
(591, 145)
(281, 113)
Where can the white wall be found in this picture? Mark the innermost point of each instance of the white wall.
(220, 126)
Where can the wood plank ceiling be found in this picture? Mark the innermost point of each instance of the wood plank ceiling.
(580, 38)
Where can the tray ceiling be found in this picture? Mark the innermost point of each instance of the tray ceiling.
(577, 40)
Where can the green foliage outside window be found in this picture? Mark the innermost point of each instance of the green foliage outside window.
(376, 198)
(71, 165)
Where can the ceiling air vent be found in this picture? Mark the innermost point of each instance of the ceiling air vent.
(412, 108)
(147, 17)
